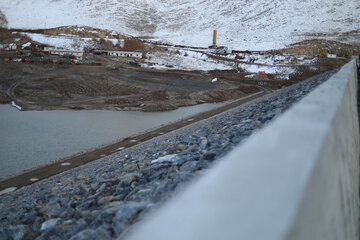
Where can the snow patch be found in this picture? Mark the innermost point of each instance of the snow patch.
(185, 60)
(267, 69)
(26, 45)
(62, 41)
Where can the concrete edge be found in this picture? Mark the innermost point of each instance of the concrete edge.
(295, 179)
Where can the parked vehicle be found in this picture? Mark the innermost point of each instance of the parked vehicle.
(135, 64)
(38, 54)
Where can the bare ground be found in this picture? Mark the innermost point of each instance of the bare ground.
(112, 84)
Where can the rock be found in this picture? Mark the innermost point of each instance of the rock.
(77, 226)
(49, 224)
(84, 189)
(4, 234)
(203, 141)
(87, 234)
(180, 147)
(131, 168)
(156, 174)
(119, 227)
(102, 234)
(189, 166)
(209, 156)
(80, 177)
(105, 200)
(202, 164)
(17, 232)
(179, 161)
(192, 148)
(101, 188)
(127, 179)
(113, 204)
(203, 151)
(128, 211)
(94, 186)
(166, 158)
(184, 176)
(29, 218)
(140, 195)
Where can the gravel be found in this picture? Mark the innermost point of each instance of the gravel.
(103, 199)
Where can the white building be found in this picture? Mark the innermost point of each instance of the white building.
(61, 52)
(125, 54)
(48, 48)
(119, 53)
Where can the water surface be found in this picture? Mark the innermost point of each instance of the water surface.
(32, 138)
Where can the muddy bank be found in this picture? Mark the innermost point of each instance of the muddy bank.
(104, 84)
(114, 85)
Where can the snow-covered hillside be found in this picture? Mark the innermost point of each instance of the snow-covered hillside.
(241, 24)
(3, 21)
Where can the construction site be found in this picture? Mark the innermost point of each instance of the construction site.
(160, 120)
(137, 74)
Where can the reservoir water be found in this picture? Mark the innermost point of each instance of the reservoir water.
(32, 138)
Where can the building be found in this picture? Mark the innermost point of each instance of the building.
(13, 47)
(61, 52)
(119, 53)
(125, 54)
(48, 48)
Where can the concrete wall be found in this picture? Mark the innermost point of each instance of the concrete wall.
(298, 178)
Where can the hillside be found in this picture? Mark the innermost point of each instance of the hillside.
(3, 21)
(242, 24)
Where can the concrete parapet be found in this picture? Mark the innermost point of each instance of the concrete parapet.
(298, 178)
